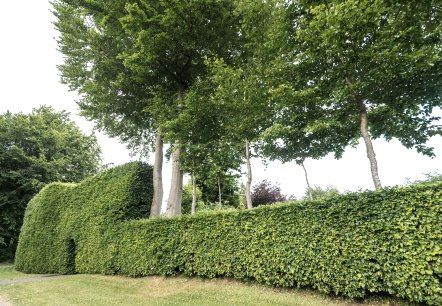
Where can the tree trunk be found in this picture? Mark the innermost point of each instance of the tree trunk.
(219, 192)
(309, 188)
(176, 185)
(363, 116)
(249, 176)
(193, 194)
(368, 144)
(157, 200)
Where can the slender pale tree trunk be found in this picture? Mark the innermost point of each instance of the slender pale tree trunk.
(309, 188)
(368, 144)
(176, 186)
(249, 176)
(219, 192)
(157, 200)
(363, 116)
(193, 194)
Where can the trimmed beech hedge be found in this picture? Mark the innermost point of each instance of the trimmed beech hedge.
(384, 241)
(69, 226)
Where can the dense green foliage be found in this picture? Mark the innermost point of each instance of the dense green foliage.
(356, 68)
(186, 204)
(77, 223)
(230, 199)
(386, 241)
(230, 193)
(384, 53)
(35, 149)
(226, 80)
(353, 244)
(133, 62)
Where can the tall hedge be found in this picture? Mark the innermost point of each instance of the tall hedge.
(67, 226)
(384, 241)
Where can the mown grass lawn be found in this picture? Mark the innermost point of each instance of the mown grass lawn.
(7, 272)
(117, 290)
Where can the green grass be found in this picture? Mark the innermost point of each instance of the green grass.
(117, 290)
(7, 272)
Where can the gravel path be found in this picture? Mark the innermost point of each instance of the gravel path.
(3, 302)
(29, 279)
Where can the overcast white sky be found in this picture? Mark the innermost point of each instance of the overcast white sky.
(29, 78)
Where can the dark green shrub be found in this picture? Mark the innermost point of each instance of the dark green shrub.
(41, 248)
(384, 241)
(35, 149)
(67, 221)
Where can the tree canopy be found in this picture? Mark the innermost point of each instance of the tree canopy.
(373, 67)
(35, 149)
(134, 61)
(221, 81)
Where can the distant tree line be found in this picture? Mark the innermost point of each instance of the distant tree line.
(223, 81)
